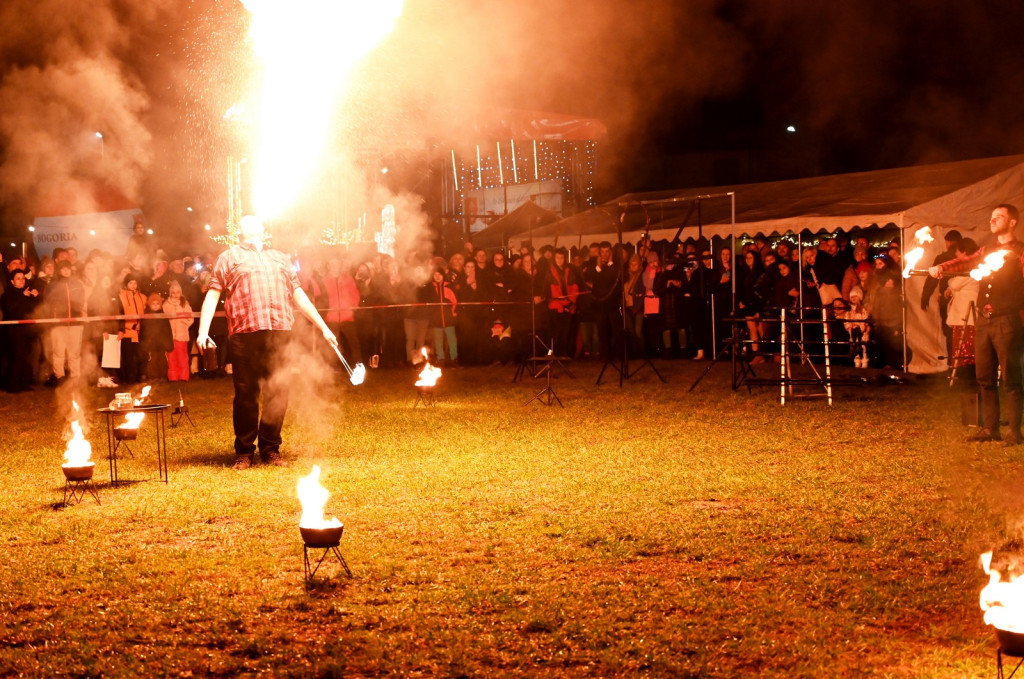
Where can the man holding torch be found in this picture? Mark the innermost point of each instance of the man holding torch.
(998, 332)
(261, 292)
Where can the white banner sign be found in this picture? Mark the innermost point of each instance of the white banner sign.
(108, 231)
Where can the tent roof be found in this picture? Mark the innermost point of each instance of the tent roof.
(520, 220)
(959, 194)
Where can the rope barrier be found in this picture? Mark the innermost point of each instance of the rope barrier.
(220, 314)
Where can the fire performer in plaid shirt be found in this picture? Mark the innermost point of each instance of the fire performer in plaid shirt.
(999, 335)
(261, 292)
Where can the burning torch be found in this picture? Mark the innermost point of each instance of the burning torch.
(356, 374)
(923, 236)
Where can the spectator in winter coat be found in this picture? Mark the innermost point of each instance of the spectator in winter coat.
(18, 303)
(155, 340)
(342, 298)
(133, 303)
(65, 298)
(441, 315)
(177, 358)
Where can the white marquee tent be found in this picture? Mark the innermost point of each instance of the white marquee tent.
(957, 195)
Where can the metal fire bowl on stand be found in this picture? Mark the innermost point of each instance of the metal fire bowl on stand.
(1010, 643)
(78, 473)
(125, 434)
(322, 538)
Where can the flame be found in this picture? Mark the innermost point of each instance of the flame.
(307, 51)
(1002, 600)
(313, 497)
(132, 421)
(78, 449)
(993, 262)
(358, 374)
(923, 236)
(143, 395)
(428, 376)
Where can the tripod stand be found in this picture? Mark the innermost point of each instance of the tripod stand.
(547, 390)
(733, 348)
(621, 363)
(531, 362)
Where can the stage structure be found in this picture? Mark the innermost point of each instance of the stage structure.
(513, 157)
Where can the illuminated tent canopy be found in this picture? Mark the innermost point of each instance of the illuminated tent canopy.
(947, 195)
(957, 195)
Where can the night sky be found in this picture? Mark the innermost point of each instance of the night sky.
(867, 85)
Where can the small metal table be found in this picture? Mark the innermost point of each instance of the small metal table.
(116, 441)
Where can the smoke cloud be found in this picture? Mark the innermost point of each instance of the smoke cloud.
(871, 84)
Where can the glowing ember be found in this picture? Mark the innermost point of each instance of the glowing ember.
(132, 421)
(923, 236)
(78, 451)
(143, 395)
(313, 497)
(307, 51)
(1002, 601)
(358, 374)
(993, 262)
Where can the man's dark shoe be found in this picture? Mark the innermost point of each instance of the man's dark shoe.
(242, 462)
(273, 458)
(982, 436)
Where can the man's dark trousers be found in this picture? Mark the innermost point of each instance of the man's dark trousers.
(257, 366)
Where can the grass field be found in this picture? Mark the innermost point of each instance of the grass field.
(642, 530)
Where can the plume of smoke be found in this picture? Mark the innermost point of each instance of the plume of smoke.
(306, 371)
(49, 116)
(71, 70)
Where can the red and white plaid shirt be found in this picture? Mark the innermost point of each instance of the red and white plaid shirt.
(258, 286)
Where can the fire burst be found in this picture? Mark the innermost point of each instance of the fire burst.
(307, 51)
(78, 450)
(313, 497)
(1002, 600)
(923, 236)
(993, 262)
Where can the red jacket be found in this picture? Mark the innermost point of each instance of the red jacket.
(342, 297)
(564, 290)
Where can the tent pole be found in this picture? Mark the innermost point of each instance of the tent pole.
(732, 233)
(800, 279)
(903, 292)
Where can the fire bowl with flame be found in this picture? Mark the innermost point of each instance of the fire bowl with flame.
(129, 429)
(1010, 643)
(77, 463)
(79, 473)
(1002, 600)
(428, 378)
(322, 537)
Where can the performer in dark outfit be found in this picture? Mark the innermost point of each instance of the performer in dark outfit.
(998, 333)
(261, 291)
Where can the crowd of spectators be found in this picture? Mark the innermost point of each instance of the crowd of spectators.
(477, 307)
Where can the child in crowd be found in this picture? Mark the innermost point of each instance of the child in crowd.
(177, 358)
(858, 328)
(155, 340)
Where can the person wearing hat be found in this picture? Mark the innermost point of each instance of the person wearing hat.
(857, 327)
(952, 240)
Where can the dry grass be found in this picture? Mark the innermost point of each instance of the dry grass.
(645, 530)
